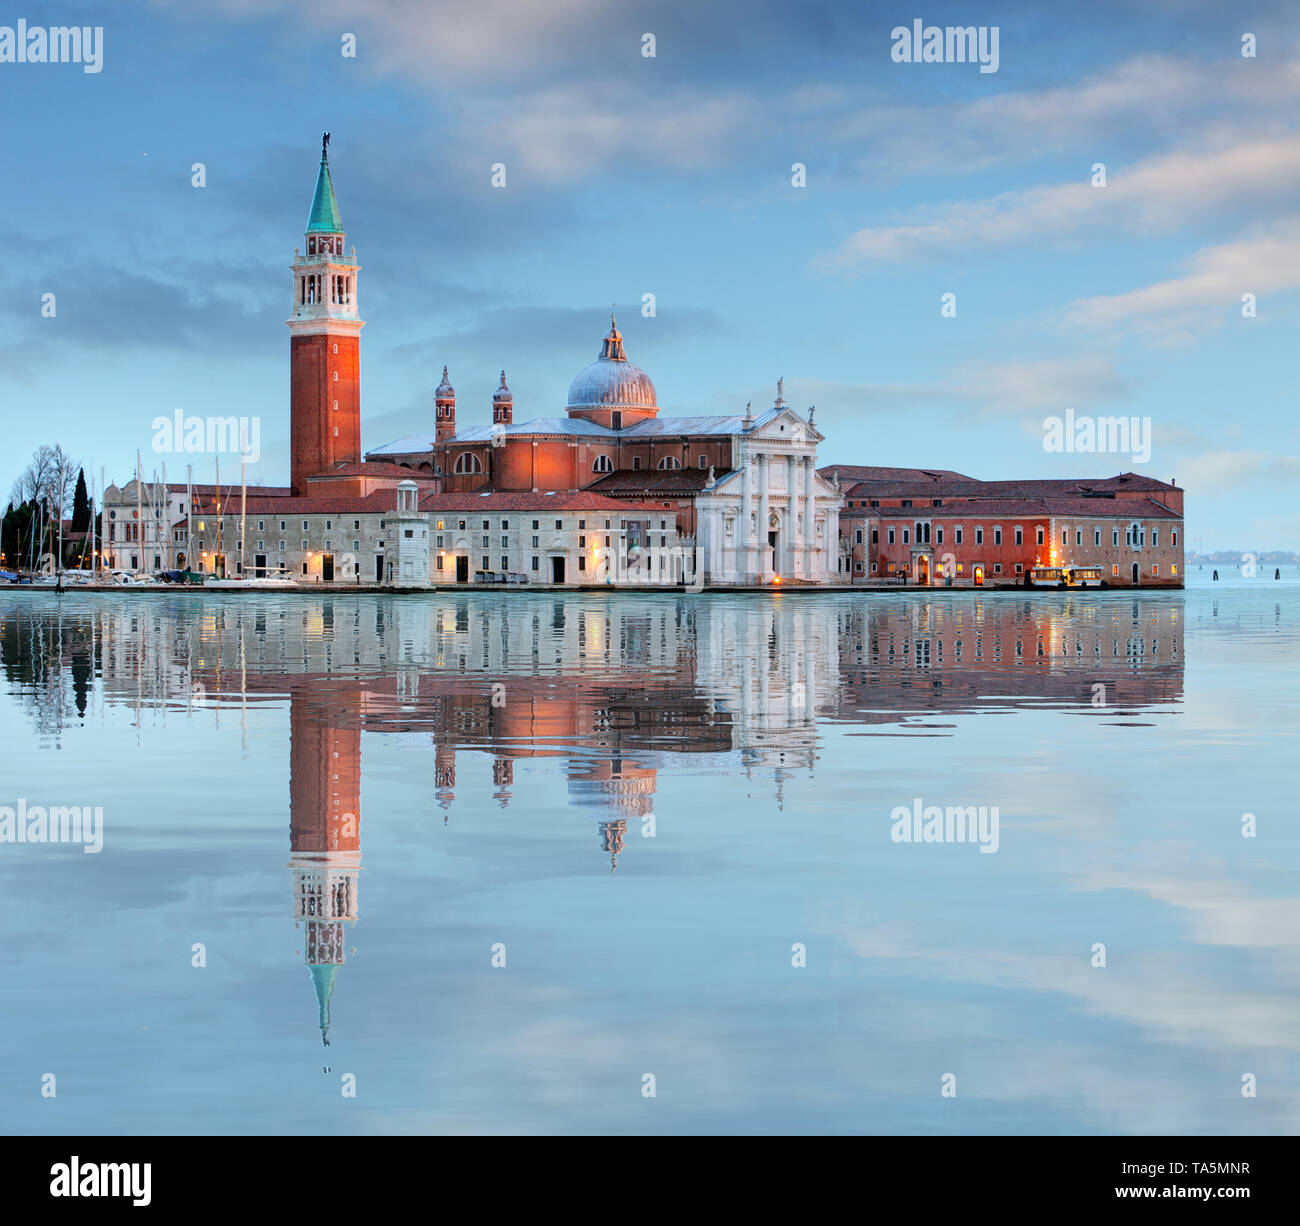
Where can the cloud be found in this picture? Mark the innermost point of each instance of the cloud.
(1028, 386)
(1155, 196)
(1215, 281)
(1163, 93)
(1233, 471)
(1042, 384)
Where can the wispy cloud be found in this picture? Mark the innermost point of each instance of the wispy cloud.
(1212, 287)
(1155, 196)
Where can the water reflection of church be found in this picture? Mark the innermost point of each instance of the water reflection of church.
(609, 689)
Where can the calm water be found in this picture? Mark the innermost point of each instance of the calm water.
(649, 801)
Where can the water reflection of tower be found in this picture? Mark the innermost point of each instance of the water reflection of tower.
(618, 790)
(325, 837)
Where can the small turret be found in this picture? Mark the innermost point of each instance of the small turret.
(503, 404)
(444, 408)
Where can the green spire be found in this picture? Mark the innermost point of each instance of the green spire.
(325, 217)
(322, 978)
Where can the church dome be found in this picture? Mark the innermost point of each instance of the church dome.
(611, 381)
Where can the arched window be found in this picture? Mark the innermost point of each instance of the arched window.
(467, 462)
(603, 464)
(670, 461)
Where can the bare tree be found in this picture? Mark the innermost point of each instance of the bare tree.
(51, 475)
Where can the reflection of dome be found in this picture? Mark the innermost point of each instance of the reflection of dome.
(612, 382)
(613, 799)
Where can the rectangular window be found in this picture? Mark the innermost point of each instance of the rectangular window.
(439, 542)
(485, 542)
(582, 542)
(997, 568)
(582, 523)
(261, 525)
(875, 536)
(636, 463)
(487, 523)
(1155, 570)
(997, 535)
(1078, 536)
(938, 536)
(1114, 536)
(905, 540)
(891, 536)
(1096, 536)
(559, 523)
(505, 542)
(1155, 538)
(534, 563)
(535, 539)
(907, 502)
(582, 561)
(437, 562)
(1019, 568)
(487, 562)
(956, 534)
(979, 536)
(1020, 535)
(858, 536)
(1174, 539)
(1065, 536)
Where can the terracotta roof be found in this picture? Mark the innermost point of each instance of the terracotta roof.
(871, 472)
(262, 491)
(509, 500)
(1041, 487)
(1041, 508)
(370, 468)
(669, 482)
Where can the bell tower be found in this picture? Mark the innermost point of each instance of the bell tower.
(324, 343)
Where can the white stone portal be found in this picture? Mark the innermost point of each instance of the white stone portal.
(772, 518)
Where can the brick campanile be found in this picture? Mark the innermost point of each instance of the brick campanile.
(324, 344)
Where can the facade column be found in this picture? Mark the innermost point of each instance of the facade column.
(793, 536)
(764, 552)
(745, 537)
(810, 517)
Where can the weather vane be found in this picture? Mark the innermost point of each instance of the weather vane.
(324, 144)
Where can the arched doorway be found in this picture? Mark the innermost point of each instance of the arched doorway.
(1136, 575)
(923, 571)
(979, 576)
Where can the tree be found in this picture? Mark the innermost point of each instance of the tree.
(50, 477)
(81, 504)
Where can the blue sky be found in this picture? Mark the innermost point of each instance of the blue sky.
(671, 175)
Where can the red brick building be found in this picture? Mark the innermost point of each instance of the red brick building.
(918, 526)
